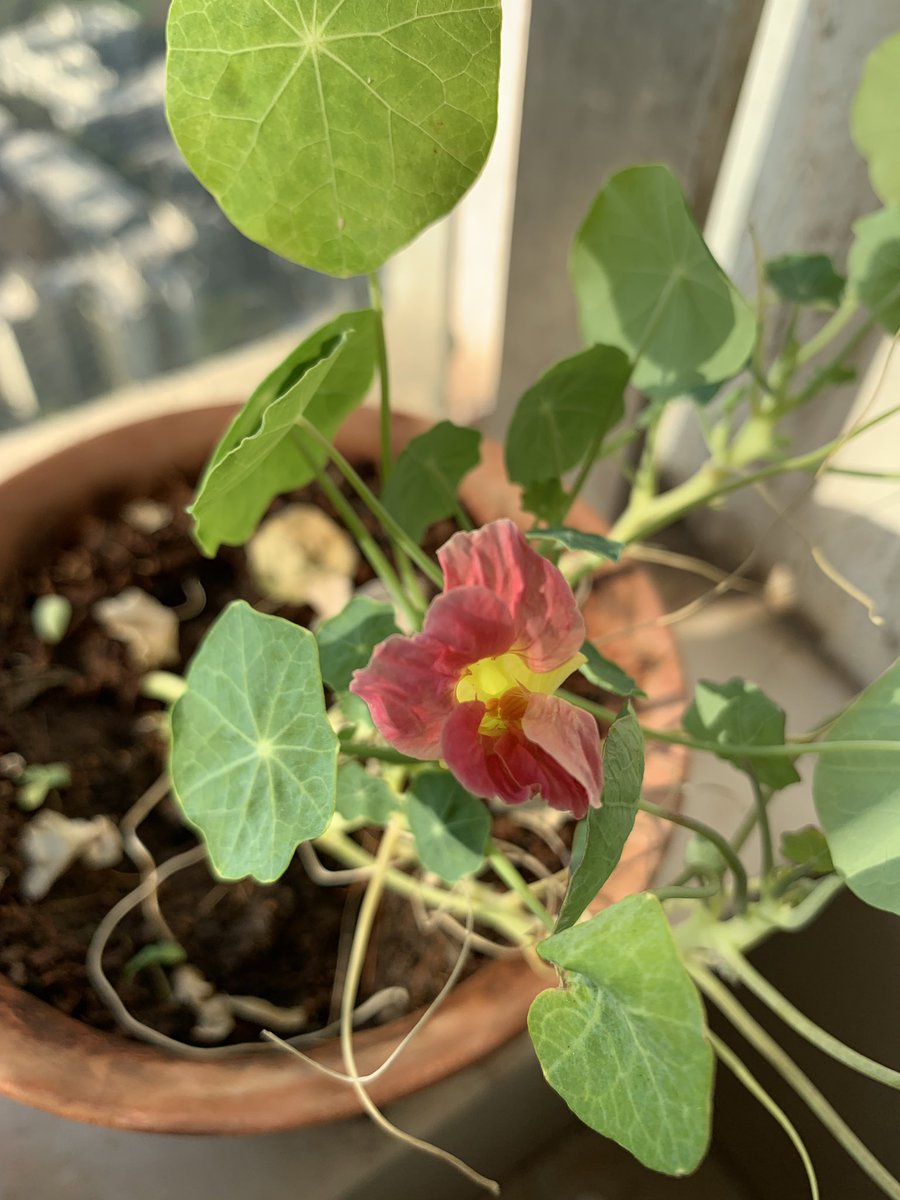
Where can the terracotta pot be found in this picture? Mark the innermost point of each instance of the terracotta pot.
(53, 1062)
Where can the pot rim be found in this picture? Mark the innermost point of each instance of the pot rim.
(51, 1061)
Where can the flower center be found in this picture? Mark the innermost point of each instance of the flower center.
(502, 684)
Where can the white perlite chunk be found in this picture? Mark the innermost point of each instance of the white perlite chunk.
(51, 842)
(148, 628)
(300, 556)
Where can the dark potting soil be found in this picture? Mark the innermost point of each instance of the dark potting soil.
(79, 703)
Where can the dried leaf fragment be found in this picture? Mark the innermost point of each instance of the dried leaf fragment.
(148, 628)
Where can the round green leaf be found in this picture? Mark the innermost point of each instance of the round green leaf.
(857, 795)
(806, 279)
(253, 756)
(623, 1042)
(873, 265)
(875, 119)
(346, 641)
(362, 796)
(645, 281)
(450, 826)
(424, 480)
(333, 131)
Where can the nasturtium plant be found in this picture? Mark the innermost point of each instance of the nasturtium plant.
(572, 405)
(424, 481)
(808, 279)
(873, 265)
(875, 118)
(623, 1039)
(333, 131)
(363, 796)
(577, 539)
(253, 757)
(605, 674)
(346, 641)
(646, 282)
(601, 836)
(451, 827)
(324, 379)
(857, 793)
(738, 714)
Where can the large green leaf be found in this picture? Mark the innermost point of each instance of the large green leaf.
(873, 265)
(570, 407)
(346, 641)
(738, 713)
(323, 379)
(646, 282)
(623, 1042)
(604, 831)
(450, 826)
(857, 794)
(423, 483)
(875, 119)
(253, 757)
(806, 279)
(604, 673)
(333, 131)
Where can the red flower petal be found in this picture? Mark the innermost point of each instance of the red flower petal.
(410, 692)
(555, 754)
(471, 623)
(549, 628)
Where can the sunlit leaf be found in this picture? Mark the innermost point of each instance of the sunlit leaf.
(603, 832)
(604, 673)
(450, 826)
(253, 757)
(738, 713)
(570, 407)
(323, 379)
(873, 265)
(347, 640)
(333, 131)
(645, 281)
(857, 794)
(875, 118)
(424, 480)
(806, 279)
(623, 1041)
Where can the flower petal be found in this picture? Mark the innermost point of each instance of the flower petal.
(409, 689)
(555, 754)
(471, 623)
(549, 627)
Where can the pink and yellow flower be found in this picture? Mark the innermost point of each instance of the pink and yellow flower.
(475, 687)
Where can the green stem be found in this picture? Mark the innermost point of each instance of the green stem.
(677, 892)
(835, 324)
(791, 1073)
(381, 753)
(727, 1056)
(376, 302)
(712, 835)
(367, 544)
(489, 907)
(808, 1029)
(505, 870)
(765, 832)
(391, 527)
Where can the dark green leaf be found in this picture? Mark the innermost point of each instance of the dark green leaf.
(450, 826)
(873, 265)
(808, 845)
(605, 830)
(424, 480)
(737, 713)
(347, 640)
(333, 133)
(253, 757)
(857, 795)
(875, 118)
(645, 281)
(605, 674)
(806, 279)
(157, 954)
(547, 500)
(362, 796)
(324, 379)
(574, 539)
(624, 1041)
(570, 407)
